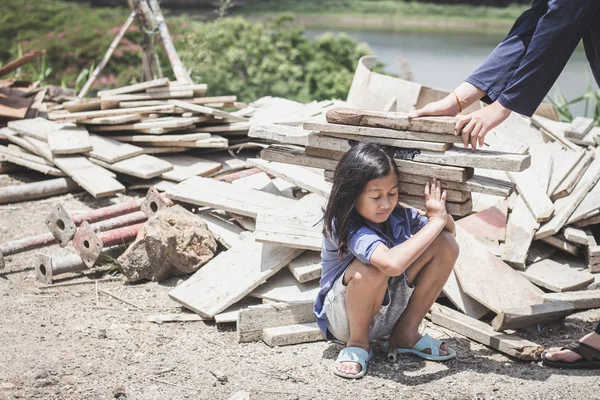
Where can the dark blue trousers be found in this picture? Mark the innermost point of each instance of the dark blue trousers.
(520, 72)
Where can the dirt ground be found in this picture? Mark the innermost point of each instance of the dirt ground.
(67, 343)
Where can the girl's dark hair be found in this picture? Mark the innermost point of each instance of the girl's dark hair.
(362, 163)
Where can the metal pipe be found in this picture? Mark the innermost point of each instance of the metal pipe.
(37, 190)
(238, 175)
(46, 239)
(47, 267)
(89, 243)
(64, 227)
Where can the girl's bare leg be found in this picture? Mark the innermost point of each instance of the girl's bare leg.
(366, 287)
(428, 273)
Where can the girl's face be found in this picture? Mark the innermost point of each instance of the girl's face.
(378, 199)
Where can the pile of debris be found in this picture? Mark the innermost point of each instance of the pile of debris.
(528, 235)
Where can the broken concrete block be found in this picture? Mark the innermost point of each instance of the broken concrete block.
(173, 242)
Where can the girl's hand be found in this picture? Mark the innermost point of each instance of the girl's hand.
(476, 125)
(435, 200)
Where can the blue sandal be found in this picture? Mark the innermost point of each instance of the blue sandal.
(426, 342)
(354, 354)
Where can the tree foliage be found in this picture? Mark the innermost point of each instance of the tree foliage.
(254, 59)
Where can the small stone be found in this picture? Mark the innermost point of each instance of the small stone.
(119, 392)
(40, 374)
(6, 385)
(43, 382)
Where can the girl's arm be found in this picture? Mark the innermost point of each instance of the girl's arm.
(450, 225)
(394, 261)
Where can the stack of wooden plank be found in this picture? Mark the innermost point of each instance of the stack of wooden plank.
(423, 148)
(135, 131)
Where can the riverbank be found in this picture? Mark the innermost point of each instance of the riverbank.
(387, 16)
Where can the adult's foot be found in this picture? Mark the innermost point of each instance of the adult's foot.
(569, 356)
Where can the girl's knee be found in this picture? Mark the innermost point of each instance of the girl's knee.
(448, 244)
(366, 274)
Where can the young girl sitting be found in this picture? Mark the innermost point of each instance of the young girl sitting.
(383, 265)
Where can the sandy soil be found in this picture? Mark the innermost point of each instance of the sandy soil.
(67, 343)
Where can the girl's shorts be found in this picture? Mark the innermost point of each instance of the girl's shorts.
(394, 303)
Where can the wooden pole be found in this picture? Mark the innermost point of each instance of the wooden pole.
(26, 58)
(107, 56)
(179, 70)
(147, 23)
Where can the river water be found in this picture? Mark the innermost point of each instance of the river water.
(442, 60)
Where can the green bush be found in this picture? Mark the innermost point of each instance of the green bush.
(254, 59)
(74, 35)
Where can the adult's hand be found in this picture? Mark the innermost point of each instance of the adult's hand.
(473, 127)
(448, 106)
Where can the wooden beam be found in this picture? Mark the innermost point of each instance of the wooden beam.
(7, 155)
(566, 161)
(465, 303)
(558, 241)
(569, 183)
(94, 179)
(454, 196)
(283, 287)
(299, 227)
(400, 121)
(225, 196)
(253, 320)
(109, 113)
(581, 300)
(143, 166)
(136, 87)
(307, 267)
(489, 223)
(185, 167)
(588, 207)
(575, 235)
(402, 143)
(208, 111)
(329, 129)
(520, 230)
(489, 280)
(111, 151)
(481, 332)
(296, 156)
(455, 156)
(566, 206)
(456, 209)
(69, 140)
(533, 194)
(231, 275)
(579, 128)
(479, 184)
(292, 334)
(557, 275)
(592, 252)
(294, 174)
(517, 318)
